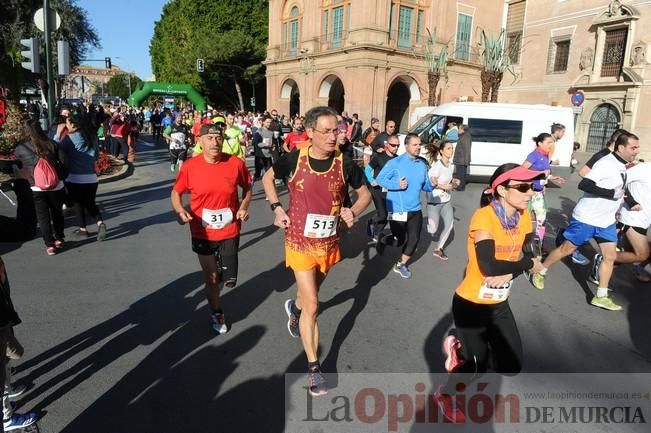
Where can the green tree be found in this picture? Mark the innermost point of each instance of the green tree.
(222, 32)
(17, 22)
(118, 85)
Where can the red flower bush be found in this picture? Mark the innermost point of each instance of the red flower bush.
(103, 164)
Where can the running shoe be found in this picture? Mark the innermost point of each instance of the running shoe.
(317, 383)
(370, 229)
(81, 234)
(218, 323)
(380, 246)
(594, 272)
(101, 232)
(579, 258)
(15, 390)
(292, 319)
(402, 269)
(58, 244)
(439, 254)
(642, 275)
(606, 302)
(172, 167)
(19, 421)
(537, 280)
(451, 347)
(449, 407)
(51, 251)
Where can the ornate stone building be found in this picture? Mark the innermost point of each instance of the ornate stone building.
(85, 81)
(597, 47)
(366, 56)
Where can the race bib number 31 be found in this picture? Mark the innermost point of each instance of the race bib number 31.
(216, 218)
(320, 226)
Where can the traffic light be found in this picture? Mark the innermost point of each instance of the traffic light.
(31, 54)
(63, 57)
(200, 65)
(107, 62)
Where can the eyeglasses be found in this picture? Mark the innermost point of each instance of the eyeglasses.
(394, 144)
(327, 131)
(521, 187)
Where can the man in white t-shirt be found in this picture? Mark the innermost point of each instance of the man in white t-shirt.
(635, 219)
(594, 216)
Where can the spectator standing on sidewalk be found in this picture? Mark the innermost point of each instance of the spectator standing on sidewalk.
(461, 159)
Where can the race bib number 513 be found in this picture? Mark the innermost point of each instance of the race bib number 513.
(216, 218)
(320, 226)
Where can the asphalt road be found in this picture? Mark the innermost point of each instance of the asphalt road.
(117, 336)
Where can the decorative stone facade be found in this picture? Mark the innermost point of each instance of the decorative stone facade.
(606, 60)
(366, 56)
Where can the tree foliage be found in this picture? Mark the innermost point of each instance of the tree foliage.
(222, 32)
(118, 85)
(17, 22)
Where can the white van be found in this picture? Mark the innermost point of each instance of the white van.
(500, 132)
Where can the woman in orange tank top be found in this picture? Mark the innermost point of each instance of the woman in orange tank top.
(500, 241)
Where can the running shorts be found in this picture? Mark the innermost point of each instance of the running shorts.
(579, 233)
(624, 228)
(302, 262)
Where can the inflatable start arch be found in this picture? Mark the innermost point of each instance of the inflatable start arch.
(153, 88)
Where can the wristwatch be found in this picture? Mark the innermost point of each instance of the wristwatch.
(273, 206)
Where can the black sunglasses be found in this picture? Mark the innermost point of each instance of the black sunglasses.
(521, 187)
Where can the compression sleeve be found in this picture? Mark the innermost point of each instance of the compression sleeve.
(629, 199)
(590, 186)
(490, 266)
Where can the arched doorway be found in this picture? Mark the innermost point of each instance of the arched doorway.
(403, 90)
(603, 123)
(398, 105)
(333, 88)
(290, 91)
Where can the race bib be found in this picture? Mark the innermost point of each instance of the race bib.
(216, 219)
(320, 226)
(495, 293)
(397, 216)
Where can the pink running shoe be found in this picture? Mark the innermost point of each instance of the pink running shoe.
(451, 347)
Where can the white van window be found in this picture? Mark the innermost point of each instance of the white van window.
(496, 130)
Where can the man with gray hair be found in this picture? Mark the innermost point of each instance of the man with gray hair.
(319, 176)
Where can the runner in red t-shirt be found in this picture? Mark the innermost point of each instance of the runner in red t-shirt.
(215, 214)
(296, 137)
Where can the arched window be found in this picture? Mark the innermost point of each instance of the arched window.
(335, 23)
(292, 31)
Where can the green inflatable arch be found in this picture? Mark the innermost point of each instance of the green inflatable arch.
(149, 88)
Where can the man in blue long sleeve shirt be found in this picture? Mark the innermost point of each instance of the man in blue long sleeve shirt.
(404, 177)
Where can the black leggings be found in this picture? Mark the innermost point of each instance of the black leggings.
(405, 233)
(380, 202)
(83, 195)
(489, 336)
(50, 215)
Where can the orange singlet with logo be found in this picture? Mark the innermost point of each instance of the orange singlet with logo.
(315, 200)
(508, 246)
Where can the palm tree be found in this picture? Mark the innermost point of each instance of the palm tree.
(495, 61)
(436, 64)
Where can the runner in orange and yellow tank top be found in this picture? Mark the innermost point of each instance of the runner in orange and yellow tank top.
(319, 176)
(500, 247)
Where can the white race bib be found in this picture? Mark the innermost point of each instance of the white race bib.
(216, 218)
(320, 226)
(495, 293)
(397, 216)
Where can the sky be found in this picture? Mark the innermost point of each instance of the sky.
(125, 29)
